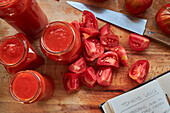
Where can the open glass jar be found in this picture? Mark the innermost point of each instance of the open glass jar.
(61, 42)
(24, 15)
(16, 54)
(30, 86)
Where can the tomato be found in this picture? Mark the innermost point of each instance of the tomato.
(99, 0)
(109, 58)
(122, 55)
(78, 66)
(88, 77)
(163, 18)
(77, 25)
(109, 41)
(89, 32)
(104, 76)
(89, 20)
(106, 29)
(92, 49)
(137, 6)
(139, 71)
(138, 42)
(72, 82)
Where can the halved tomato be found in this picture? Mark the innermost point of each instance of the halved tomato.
(109, 58)
(78, 66)
(106, 29)
(92, 49)
(88, 77)
(139, 71)
(122, 54)
(109, 41)
(71, 82)
(138, 42)
(89, 20)
(104, 76)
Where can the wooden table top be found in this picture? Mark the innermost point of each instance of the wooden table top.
(86, 100)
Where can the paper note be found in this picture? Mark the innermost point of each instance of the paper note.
(148, 98)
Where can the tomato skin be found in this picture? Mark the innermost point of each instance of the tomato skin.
(99, 0)
(92, 49)
(78, 66)
(137, 6)
(109, 41)
(138, 42)
(122, 55)
(163, 18)
(139, 71)
(89, 20)
(88, 77)
(89, 32)
(106, 29)
(109, 58)
(77, 25)
(104, 76)
(71, 82)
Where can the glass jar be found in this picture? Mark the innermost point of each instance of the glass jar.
(24, 15)
(16, 54)
(30, 86)
(61, 42)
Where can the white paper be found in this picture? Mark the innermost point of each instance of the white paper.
(148, 98)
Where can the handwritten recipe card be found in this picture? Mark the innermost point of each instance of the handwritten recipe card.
(148, 98)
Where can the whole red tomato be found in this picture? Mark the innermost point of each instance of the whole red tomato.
(163, 18)
(137, 6)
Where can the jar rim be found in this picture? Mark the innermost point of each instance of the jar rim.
(53, 24)
(35, 97)
(25, 49)
(7, 3)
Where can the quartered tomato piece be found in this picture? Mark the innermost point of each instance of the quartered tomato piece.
(109, 58)
(104, 76)
(71, 82)
(139, 71)
(77, 25)
(92, 49)
(122, 55)
(89, 32)
(78, 66)
(106, 29)
(88, 77)
(138, 42)
(89, 20)
(109, 41)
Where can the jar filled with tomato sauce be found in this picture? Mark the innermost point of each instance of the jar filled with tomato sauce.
(16, 54)
(24, 15)
(30, 86)
(61, 42)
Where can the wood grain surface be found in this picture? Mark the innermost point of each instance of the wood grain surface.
(86, 100)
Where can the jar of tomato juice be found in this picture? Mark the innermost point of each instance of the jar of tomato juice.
(30, 86)
(61, 42)
(16, 54)
(24, 15)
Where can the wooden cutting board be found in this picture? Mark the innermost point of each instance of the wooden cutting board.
(86, 100)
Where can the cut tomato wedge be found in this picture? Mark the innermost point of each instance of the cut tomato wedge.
(139, 71)
(89, 32)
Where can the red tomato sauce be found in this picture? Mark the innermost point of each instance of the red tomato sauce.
(24, 15)
(25, 86)
(58, 38)
(11, 51)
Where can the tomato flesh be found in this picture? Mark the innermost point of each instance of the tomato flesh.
(92, 49)
(122, 55)
(106, 29)
(109, 58)
(138, 42)
(89, 20)
(78, 66)
(77, 25)
(139, 71)
(71, 82)
(88, 77)
(104, 76)
(89, 32)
